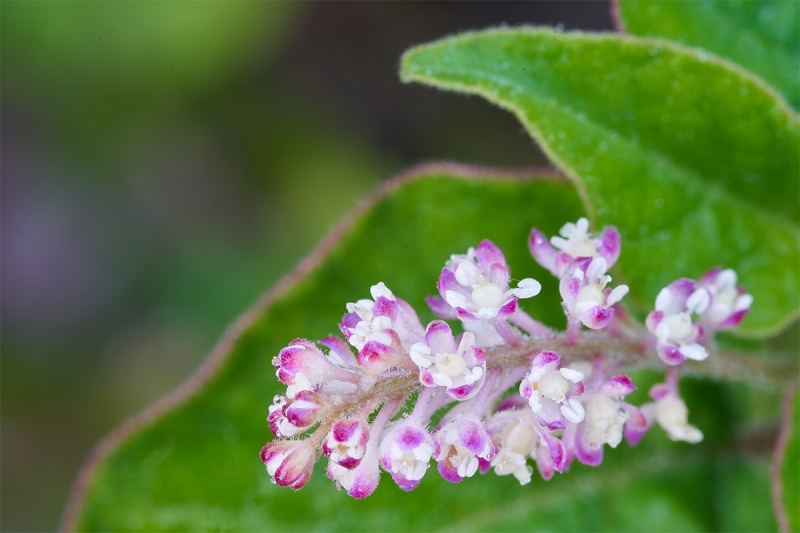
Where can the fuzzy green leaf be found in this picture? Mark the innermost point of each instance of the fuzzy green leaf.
(760, 35)
(192, 464)
(694, 159)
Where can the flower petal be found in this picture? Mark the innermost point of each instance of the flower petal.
(439, 337)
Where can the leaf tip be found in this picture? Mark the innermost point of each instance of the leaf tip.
(407, 67)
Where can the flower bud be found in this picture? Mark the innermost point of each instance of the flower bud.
(289, 462)
(461, 444)
(346, 442)
(406, 452)
(362, 480)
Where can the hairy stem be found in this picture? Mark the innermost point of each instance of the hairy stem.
(633, 351)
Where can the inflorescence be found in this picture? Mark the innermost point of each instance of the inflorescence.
(507, 389)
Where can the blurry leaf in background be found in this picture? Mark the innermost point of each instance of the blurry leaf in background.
(129, 42)
(695, 162)
(196, 467)
(121, 63)
(761, 35)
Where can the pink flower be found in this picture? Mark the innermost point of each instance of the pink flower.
(671, 413)
(460, 445)
(406, 452)
(586, 298)
(290, 417)
(552, 392)
(381, 330)
(459, 368)
(575, 242)
(729, 303)
(360, 481)
(346, 442)
(303, 366)
(385, 319)
(672, 323)
(518, 435)
(607, 419)
(474, 287)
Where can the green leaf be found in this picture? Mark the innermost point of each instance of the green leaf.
(191, 464)
(760, 35)
(694, 159)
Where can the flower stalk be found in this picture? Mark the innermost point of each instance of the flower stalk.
(510, 390)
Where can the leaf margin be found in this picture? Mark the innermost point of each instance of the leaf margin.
(787, 427)
(618, 19)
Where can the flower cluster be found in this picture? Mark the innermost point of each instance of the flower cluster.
(507, 392)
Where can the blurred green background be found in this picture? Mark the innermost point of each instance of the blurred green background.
(165, 162)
